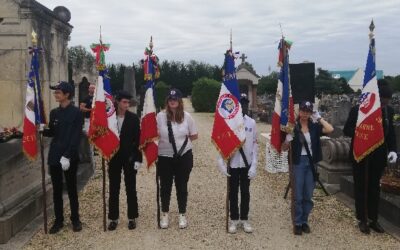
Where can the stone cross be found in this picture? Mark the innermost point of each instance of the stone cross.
(243, 57)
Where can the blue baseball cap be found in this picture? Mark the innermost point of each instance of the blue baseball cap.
(65, 87)
(174, 94)
(306, 106)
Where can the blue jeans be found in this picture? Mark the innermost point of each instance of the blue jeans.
(304, 188)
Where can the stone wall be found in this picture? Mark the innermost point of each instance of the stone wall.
(18, 19)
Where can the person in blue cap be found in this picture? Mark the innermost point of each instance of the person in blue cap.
(176, 130)
(306, 152)
(65, 127)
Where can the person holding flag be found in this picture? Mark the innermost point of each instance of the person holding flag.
(306, 152)
(127, 158)
(373, 143)
(177, 130)
(65, 127)
(228, 135)
(243, 167)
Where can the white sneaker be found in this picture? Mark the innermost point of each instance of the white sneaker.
(247, 227)
(233, 226)
(164, 222)
(182, 221)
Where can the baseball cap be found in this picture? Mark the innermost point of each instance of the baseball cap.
(174, 94)
(65, 87)
(243, 99)
(306, 106)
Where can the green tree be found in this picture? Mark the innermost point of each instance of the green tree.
(326, 84)
(268, 84)
(161, 92)
(394, 82)
(205, 94)
(80, 58)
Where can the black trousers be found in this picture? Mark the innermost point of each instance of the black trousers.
(170, 169)
(239, 178)
(56, 174)
(367, 196)
(114, 174)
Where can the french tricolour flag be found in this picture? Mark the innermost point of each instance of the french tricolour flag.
(34, 109)
(228, 133)
(283, 117)
(103, 128)
(369, 130)
(148, 124)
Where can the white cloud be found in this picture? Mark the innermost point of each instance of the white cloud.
(334, 34)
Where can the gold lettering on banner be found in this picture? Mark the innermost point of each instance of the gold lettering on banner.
(29, 138)
(368, 127)
(379, 119)
(362, 136)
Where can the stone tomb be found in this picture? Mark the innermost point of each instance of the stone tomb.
(20, 189)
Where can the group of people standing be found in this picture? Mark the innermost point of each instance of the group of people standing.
(177, 130)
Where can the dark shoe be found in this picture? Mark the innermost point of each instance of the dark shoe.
(376, 227)
(297, 230)
(305, 228)
(364, 228)
(56, 228)
(77, 226)
(112, 226)
(131, 224)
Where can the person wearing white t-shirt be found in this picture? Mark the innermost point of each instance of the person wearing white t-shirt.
(176, 130)
(241, 171)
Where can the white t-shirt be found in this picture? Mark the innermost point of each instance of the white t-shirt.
(120, 121)
(308, 140)
(250, 147)
(181, 131)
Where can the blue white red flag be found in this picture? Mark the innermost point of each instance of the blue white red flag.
(369, 129)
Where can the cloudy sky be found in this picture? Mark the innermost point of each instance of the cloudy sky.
(333, 34)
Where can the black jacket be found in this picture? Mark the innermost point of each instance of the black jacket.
(65, 126)
(129, 140)
(390, 138)
(315, 130)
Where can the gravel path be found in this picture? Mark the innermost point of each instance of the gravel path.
(333, 225)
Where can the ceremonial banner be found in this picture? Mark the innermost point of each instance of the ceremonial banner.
(103, 128)
(34, 109)
(369, 130)
(148, 124)
(228, 133)
(283, 116)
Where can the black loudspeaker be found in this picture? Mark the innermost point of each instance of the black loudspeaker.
(302, 81)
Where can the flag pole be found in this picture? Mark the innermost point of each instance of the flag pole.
(151, 45)
(103, 168)
(43, 170)
(228, 187)
(366, 177)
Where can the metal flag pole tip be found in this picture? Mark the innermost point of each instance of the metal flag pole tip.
(230, 42)
(34, 37)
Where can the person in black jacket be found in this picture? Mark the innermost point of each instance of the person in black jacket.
(371, 168)
(128, 158)
(65, 127)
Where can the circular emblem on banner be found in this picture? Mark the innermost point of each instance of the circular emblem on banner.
(367, 101)
(109, 106)
(228, 106)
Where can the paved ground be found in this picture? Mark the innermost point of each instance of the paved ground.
(333, 225)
